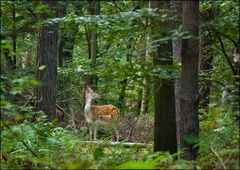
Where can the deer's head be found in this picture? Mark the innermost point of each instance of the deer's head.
(90, 94)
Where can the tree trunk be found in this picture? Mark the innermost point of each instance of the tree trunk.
(94, 9)
(121, 99)
(145, 93)
(124, 86)
(165, 122)
(176, 47)
(67, 38)
(189, 123)
(164, 119)
(66, 47)
(145, 86)
(47, 54)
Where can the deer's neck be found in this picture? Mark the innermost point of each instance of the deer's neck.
(88, 111)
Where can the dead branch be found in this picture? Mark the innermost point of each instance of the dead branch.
(62, 92)
(223, 50)
(126, 145)
(132, 127)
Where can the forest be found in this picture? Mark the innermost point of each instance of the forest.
(127, 84)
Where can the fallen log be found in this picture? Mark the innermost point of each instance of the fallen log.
(111, 143)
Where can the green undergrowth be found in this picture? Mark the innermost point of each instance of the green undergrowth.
(40, 144)
(29, 141)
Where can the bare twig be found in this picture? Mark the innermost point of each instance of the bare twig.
(29, 100)
(66, 90)
(205, 78)
(63, 111)
(223, 50)
(226, 36)
(132, 127)
(30, 10)
(63, 101)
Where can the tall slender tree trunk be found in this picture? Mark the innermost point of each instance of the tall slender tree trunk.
(164, 122)
(47, 54)
(66, 39)
(67, 36)
(189, 123)
(66, 46)
(121, 100)
(145, 94)
(176, 47)
(94, 9)
(124, 83)
(145, 82)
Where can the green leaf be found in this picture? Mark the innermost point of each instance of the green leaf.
(42, 67)
(98, 153)
(148, 164)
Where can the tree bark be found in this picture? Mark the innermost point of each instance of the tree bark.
(94, 9)
(124, 83)
(145, 94)
(145, 82)
(164, 119)
(176, 47)
(66, 47)
(189, 123)
(121, 100)
(165, 122)
(66, 38)
(47, 54)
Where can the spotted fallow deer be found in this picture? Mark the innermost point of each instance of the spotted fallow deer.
(99, 115)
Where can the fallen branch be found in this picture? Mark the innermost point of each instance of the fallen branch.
(126, 145)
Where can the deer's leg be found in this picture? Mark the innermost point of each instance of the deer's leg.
(90, 132)
(112, 136)
(115, 133)
(95, 131)
(116, 129)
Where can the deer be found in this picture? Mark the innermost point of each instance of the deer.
(99, 115)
